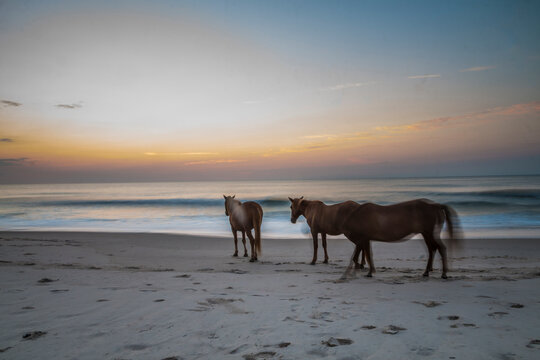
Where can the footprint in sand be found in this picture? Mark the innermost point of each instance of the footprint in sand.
(211, 303)
(428, 304)
(332, 342)
(534, 344)
(517, 306)
(368, 327)
(136, 347)
(455, 326)
(448, 317)
(237, 271)
(239, 348)
(33, 335)
(497, 314)
(392, 329)
(260, 355)
(423, 351)
(46, 280)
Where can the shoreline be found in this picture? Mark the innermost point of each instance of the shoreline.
(227, 236)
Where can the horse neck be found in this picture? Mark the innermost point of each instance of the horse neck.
(309, 207)
(233, 204)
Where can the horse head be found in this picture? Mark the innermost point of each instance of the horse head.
(228, 203)
(298, 206)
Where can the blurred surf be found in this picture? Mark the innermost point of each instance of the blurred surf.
(488, 206)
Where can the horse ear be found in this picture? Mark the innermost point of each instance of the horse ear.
(224, 197)
(301, 197)
(291, 200)
(233, 196)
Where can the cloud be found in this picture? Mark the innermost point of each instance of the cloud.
(13, 161)
(478, 68)
(427, 76)
(200, 153)
(6, 140)
(489, 114)
(181, 154)
(7, 103)
(69, 106)
(319, 136)
(346, 86)
(204, 162)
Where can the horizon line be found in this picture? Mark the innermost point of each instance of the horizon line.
(257, 180)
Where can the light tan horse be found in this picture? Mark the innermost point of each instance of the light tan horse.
(322, 219)
(362, 223)
(244, 217)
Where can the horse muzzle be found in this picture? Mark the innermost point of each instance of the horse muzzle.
(293, 220)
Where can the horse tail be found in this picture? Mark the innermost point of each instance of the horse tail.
(453, 226)
(257, 222)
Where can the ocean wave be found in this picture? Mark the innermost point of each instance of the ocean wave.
(502, 193)
(12, 214)
(169, 202)
(493, 208)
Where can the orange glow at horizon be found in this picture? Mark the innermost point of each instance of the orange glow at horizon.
(365, 146)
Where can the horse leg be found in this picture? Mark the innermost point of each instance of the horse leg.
(244, 242)
(323, 236)
(366, 247)
(432, 248)
(442, 250)
(357, 251)
(252, 242)
(315, 245)
(349, 268)
(235, 243)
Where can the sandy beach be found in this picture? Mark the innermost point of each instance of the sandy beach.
(83, 295)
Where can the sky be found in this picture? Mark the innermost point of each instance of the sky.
(223, 90)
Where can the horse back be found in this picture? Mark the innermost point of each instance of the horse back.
(394, 222)
(254, 210)
(246, 216)
(328, 218)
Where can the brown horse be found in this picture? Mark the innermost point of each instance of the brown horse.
(362, 223)
(322, 219)
(244, 217)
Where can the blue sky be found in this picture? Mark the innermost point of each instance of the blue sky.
(236, 89)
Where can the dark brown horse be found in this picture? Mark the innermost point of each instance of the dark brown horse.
(362, 223)
(322, 219)
(244, 217)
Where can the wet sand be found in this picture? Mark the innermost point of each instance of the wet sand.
(90, 295)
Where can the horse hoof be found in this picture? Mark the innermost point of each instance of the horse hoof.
(312, 263)
(245, 255)
(251, 260)
(235, 255)
(444, 276)
(357, 266)
(425, 274)
(325, 262)
(369, 275)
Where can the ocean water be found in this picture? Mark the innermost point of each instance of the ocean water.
(487, 206)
